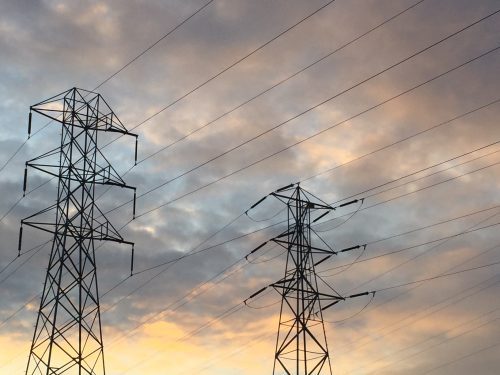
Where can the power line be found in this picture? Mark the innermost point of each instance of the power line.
(16, 203)
(219, 74)
(185, 20)
(149, 319)
(285, 148)
(469, 26)
(488, 283)
(333, 97)
(19, 310)
(125, 66)
(130, 62)
(461, 358)
(415, 172)
(187, 135)
(419, 283)
(174, 261)
(168, 263)
(317, 61)
(422, 253)
(357, 158)
(275, 224)
(447, 339)
(183, 257)
(234, 64)
(402, 178)
(461, 271)
(391, 199)
(38, 249)
(171, 31)
(405, 139)
(198, 86)
(158, 274)
(434, 224)
(449, 298)
(426, 227)
(191, 292)
(424, 188)
(243, 258)
(360, 208)
(421, 189)
(13, 155)
(242, 348)
(207, 81)
(439, 276)
(351, 196)
(259, 339)
(418, 245)
(188, 297)
(233, 309)
(272, 87)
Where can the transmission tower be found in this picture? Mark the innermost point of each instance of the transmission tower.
(301, 344)
(68, 332)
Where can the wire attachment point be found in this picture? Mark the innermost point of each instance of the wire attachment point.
(256, 204)
(25, 182)
(132, 261)
(322, 215)
(29, 124)
(284, 188)
(254, 295)
(136, 146)
(256, 249)
(349, 203)
(19, 245)
(133, 208)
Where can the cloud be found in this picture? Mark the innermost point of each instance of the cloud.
(50, 46)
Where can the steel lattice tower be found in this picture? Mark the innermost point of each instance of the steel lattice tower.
(68, 333)
(301, 345)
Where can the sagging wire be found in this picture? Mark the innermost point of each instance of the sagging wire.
(269, 259)
(262, 200)
(247, 304)
(355, 314)
(347, 266)
(37, 248)
(266, 219)
(262, 307)
(345, 221)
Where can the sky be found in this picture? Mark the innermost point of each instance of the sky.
(404, 115)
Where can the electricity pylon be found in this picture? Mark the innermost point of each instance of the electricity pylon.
(301, 343)
(68, 333)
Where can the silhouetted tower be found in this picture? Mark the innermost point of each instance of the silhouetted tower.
(301, 344)
(68, 333)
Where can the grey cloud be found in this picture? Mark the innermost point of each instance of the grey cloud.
(47, 51)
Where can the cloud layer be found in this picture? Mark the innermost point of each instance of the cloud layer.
(436, 326)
